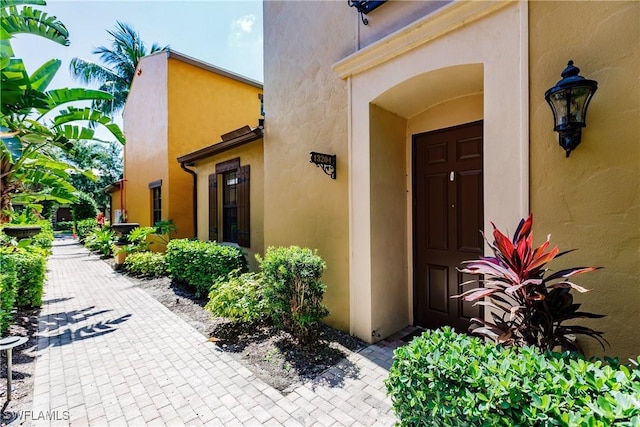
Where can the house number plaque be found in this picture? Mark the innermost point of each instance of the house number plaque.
(327, 162)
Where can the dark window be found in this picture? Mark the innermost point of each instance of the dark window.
(230, 207)
(213, 207)
(232, 210)
(156, 197)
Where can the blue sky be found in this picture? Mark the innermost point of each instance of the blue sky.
(227, 34)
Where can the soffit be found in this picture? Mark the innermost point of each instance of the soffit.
(426, 90)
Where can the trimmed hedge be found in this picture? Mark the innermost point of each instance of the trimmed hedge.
(445, 378)
(200, 264)
(7, 290)
(146, 264)
(30, 271)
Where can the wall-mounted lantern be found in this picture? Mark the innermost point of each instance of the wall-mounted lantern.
(365, 6)
(569, 100)
(326, 162)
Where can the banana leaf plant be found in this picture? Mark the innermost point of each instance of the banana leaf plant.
(34, 126)
(528, 304)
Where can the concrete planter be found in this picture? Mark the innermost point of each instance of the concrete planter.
(22, 231)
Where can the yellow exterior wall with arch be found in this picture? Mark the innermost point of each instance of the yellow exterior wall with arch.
(434, 69)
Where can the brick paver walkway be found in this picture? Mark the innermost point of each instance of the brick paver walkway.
(110, 354)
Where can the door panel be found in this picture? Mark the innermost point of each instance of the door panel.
(447, 219)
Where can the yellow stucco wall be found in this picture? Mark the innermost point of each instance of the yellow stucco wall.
(202, 106)
(591, 201)
(146, 125)
(250, 154)
(115, 205)
(306, 110)
(174, 108)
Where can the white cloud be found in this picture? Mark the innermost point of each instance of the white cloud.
(244, 24)
(245, 40)
(242, 34)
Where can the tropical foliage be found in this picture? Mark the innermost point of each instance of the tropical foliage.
(38, 122)
(527, 306)
(101, 240)
(121, 59)
(103, 159)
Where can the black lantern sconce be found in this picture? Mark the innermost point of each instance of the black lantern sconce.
(569, 100)
(365, 6)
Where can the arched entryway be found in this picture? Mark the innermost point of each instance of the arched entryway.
(417, 82)
(427, 189)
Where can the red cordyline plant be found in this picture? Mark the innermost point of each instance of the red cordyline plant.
(527, 308)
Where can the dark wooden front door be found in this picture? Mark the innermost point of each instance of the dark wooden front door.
(447, 219)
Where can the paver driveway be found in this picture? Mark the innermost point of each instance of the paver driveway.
(110, 354)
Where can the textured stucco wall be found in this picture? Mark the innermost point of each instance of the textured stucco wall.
(146, 125)
(202, 106)
(591, 201)
(306, 110)
(252, 155)
(175, 108)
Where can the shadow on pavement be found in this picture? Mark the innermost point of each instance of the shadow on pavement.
(63, 328)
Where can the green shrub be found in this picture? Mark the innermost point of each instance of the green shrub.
(64, 225)
(137, 239)
(44, 239)
(237, 297)
(445, 378)
(146, 264)
(86, 227)
(293, 290)
(7, 290)
(200, 264)
(101, 240)
(30, 270)
(84, 208)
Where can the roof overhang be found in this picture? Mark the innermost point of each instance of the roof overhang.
(230, 140)
(112, 187)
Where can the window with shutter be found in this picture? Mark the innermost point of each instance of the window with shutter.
(232, 212)
(156, 201)
(243, 207)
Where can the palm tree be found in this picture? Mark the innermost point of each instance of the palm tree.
(32, 124)
(121, 62)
